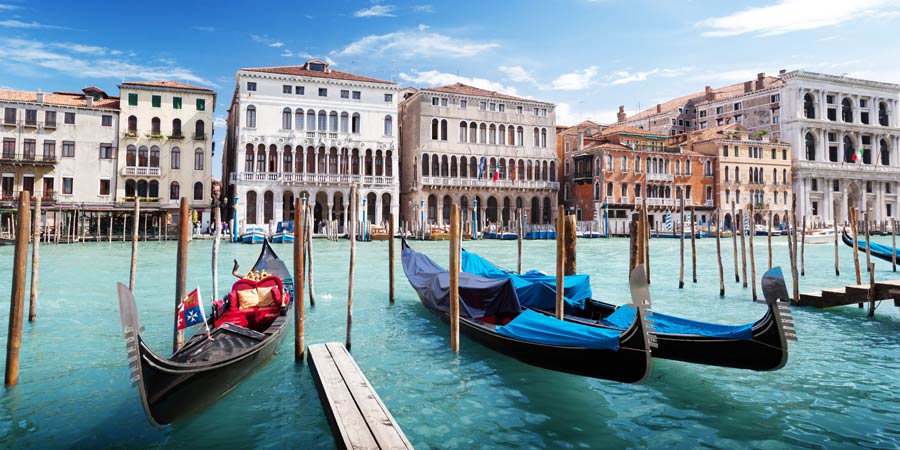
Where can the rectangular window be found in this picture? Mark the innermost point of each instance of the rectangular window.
(520, 109)
(31, 117)
(69, 118)
(106, 151)
(50, 119)
(703, 114)
(356, 95)
(492, 106)
(435, 101)
(9, 116)
(176, 102)
(201, 104)
(739, 119)
(299, 90)
(537, 111)
(388, 98)
(815, 184)
(323, 92)
(737, 106)
(49, 150)
(104, 187)
(286, 89)
(482, 106)
(68, 149)
(463, 104)
(251, 86)
(719, 122)
(9, 148)
(775, 98)
(67, 185)
(156, 101)
(106, 120)
(501, 107)
(28, 151)
(132, 99)
(344, 93)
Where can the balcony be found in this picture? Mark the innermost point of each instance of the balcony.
(29, 159)
(199, 136)
(488, 183)
(583, 176)
(660, 202)
(11, 198)
(610, 199)
(176, 136)
(140, 171)
(299, 179)
(660, 177)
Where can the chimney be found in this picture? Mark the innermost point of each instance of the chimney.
(620, 116)
(580, 141)
(658, 108)
(748, 86)
(710, 95)
(40, 96)
(760, 77)
(89, 100)
(782, 72)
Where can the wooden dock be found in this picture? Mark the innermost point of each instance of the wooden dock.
(851, 295)
(356, 414)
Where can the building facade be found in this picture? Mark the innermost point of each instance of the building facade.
(166, 145)
(750, 171)
(462, 145)
(311, 131)
(60, 146)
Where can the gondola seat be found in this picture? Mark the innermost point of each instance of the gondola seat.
(269, 291)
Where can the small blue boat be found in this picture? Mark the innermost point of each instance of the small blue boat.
(284, 233)
(253, 235)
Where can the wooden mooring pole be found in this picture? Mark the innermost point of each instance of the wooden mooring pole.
(354, 212)
(868, 240)
(454, 278)
(871, 288)
(645, 242)
(853, 230)
(519, 238)
(391, 259)
(743, 247)
(560, 259)
(794, 247)
(300, 273)
(217, 234)
(769, 236)
(309, 250)
(134, 246)
(17, 299)
(734, 232)
(35, 260)
(693, 244)
(837, 261)
(681, 243)
(894, 244)
(752, 254)
(719, 255)
(570, 239)
(803, 248)
(184, 234)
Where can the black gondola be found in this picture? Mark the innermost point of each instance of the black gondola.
(760, 346)
(880, 251)
(205, 369)
(488, 306)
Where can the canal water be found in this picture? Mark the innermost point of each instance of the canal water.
(840, 388)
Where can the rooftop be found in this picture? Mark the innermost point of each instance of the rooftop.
(74, 99)
(698, 98)
(465, 89)
(166, 84)
(316, 68)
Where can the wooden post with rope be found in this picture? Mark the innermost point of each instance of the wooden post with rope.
(693, 244)
(681, 243)
(391, 259)
(752, 256)
(743, 246)
(734, 231)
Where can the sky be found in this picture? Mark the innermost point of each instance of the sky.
(586, 56)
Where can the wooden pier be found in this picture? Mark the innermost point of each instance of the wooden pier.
(850, 295)
(356, 414)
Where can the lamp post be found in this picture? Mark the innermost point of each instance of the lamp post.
(475, 219)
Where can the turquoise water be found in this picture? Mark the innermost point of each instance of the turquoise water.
(840, 388)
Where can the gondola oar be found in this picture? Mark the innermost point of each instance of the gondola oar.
(640, 297)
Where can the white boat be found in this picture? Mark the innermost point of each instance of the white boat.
(825, 236)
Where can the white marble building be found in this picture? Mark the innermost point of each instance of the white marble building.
(310, 131)
(826, 119)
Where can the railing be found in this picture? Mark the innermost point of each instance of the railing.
(610, 199)
(708, 202)
(29, 158)
(313, 178)
(688, 202)
(141, 171)
(487, 182)
(660, 202)
(666, 177)
(199, 136)
(177, 136)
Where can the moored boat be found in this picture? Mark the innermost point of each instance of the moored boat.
(209, 366)
(880, 251)
(253, 235)
(823, 236)
(284, 233)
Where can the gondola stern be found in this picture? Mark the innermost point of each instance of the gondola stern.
(779, 303)
(641, 335)
(132, 330)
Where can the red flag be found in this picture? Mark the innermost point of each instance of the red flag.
(190, 311)
(496, 175)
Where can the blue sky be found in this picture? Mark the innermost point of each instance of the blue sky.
(588, 57)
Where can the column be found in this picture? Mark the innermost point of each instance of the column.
(278, 205)
(822, 113)
(856, 110)
(377, 218)
(260, 203)
(346, 206)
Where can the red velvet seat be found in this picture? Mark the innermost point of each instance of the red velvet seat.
(256, 318)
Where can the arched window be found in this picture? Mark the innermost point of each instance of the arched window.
(131, 156)
(435, 126)
(885, 153)
(774, 176)
(846, 110)
(809, 107)
(154, 156)
(132, 124)
(810, 147)
(388, 126)
(199, 130)
(154, 189)
(251, 208)
(198, 158)
(261, 159)
(501, 134)
(492, 134)
(473, 132)
(333, 122)
(287, 160)
(388, 164)
(299, 119)
(482, 134)
(553, 171)
(510, 135)
(784, 178)
(544, 137)
(154, 126)
(444, 166)
(323, 121)
(849, 151)
(142, 188)
(310, 120)
(463, 132)
(707, 168)
(520, 136)
(425, 165)
(286, 119)
(174, 191)
(345, 122)
(176, 128)
(355, 124)
(130, 188)
(176, 158)
(443, 129)
(537, 137)
(198, 191)
(464, 167)
(143, 156)
(251, 116)
(882, 114)
(727, 173)
(454, 171)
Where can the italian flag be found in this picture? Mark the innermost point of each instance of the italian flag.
(858, 155)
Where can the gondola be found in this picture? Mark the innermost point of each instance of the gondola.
(761, 345)
(880, 251)
(490, 314)
(208, 367)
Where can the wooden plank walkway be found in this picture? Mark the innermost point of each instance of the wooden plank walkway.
(851, 295)
(357, 415)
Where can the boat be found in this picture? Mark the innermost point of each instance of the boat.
(880, 251)
(763, 230)
(823, 236)
(670, 235)
(438, 233)
(208, 367)
(253, 235)
(760, 345)
(284, 232)
(378, 233)
(491, 315)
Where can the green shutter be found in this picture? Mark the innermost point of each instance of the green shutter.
(156, 101)
(132, 99)
(176, 102)
(201, 104)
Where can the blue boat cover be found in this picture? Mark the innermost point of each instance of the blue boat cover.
(535, 289)
(287, 225)
(624, 315)
(533, 326)
(877, 248)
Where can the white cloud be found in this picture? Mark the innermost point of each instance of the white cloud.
(5, 7)
(376, 11)
(575, 81)
(12, 23)
(303, 55)
(423, 8)
(85, 61)
(433, 78)
(267, 40)
(204, 28)
(415, 44)
(786, 16)
(277, 44)
(422, 27)
(517, 74)
(625, 77)
(220, 121)
(727, 76)
(566, 114)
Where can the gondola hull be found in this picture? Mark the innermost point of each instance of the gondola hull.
(882, 252)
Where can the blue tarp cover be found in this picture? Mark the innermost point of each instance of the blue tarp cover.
(876, 247)
(533, 326)
(534, 289)
(624, 315)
